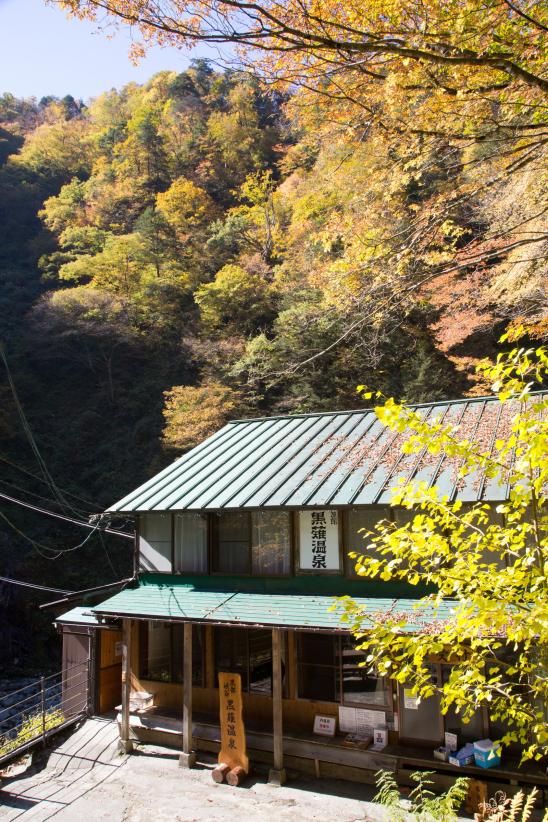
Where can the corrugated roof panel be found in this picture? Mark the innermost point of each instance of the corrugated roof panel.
(256, 490)
(421, 466)
(265, 476)
(250, 474)
(180, 601)
(319, 460)
(328, 456)
(350, 462)
(371, 473)
(298, 465)
(172, 471)
(80, 615)
(238, 439)
(230, 458)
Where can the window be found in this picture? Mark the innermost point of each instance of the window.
(360, 686)
(257, 543)
(191, 543)
(155, 542)
(329, 671)
(232, 542)
(247, 652)
(318, 672)
(161, 652)
(359, 519)
(270, 547)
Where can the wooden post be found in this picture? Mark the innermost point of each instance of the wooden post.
(43, 708)
(187, 758)
(125, 744)
(276, 774)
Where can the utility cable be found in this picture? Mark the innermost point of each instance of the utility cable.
(30, 437)
(5, 459)
(13, 487)
(63, 517)
(38, 546)
(33, 585)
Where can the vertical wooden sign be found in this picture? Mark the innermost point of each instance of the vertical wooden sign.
(233, 744)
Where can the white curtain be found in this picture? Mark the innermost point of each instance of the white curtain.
(191, 543)
(155, 542)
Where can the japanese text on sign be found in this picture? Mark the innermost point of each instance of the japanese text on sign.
(233, 742)
(319, 540)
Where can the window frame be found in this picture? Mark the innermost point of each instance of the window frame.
(143, 647)
(386, 706)
(207, 545)
(213, 542)
(247, 690)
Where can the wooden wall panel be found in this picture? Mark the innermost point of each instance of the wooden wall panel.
(108, 642)
(110, 688)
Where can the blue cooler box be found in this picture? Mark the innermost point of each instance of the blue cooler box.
(487, 753)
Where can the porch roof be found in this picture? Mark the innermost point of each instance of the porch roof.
(80, 615)
(183, 600)
(340, 458)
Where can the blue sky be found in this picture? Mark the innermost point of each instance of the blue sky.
(42, 52)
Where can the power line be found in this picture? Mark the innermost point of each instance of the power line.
(30, 437)
(38, 546)
(64, 518)
(13, 487)
(41, 479)
(33, 585)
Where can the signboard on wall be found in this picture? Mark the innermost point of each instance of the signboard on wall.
(360, 720)
(233, 742)
(319, 540)
(325, 725)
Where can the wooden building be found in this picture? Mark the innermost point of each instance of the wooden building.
(242, 545)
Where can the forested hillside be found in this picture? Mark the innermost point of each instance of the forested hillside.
(199, 248)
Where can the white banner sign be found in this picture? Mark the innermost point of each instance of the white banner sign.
(319, 540)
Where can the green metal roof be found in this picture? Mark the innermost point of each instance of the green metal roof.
(334, 459)
(241, 602)
(78, 616)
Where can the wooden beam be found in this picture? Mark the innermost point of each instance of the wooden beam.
(125, 744)
(209, 656)
(276, 775)
(187, 759)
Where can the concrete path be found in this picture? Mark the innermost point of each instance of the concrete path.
(84, 779)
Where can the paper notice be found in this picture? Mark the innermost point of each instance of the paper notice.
(410, 700)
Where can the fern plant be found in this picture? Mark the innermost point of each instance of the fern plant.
(501, 808)
(423, 805)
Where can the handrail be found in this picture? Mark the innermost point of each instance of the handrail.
(70, 698)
